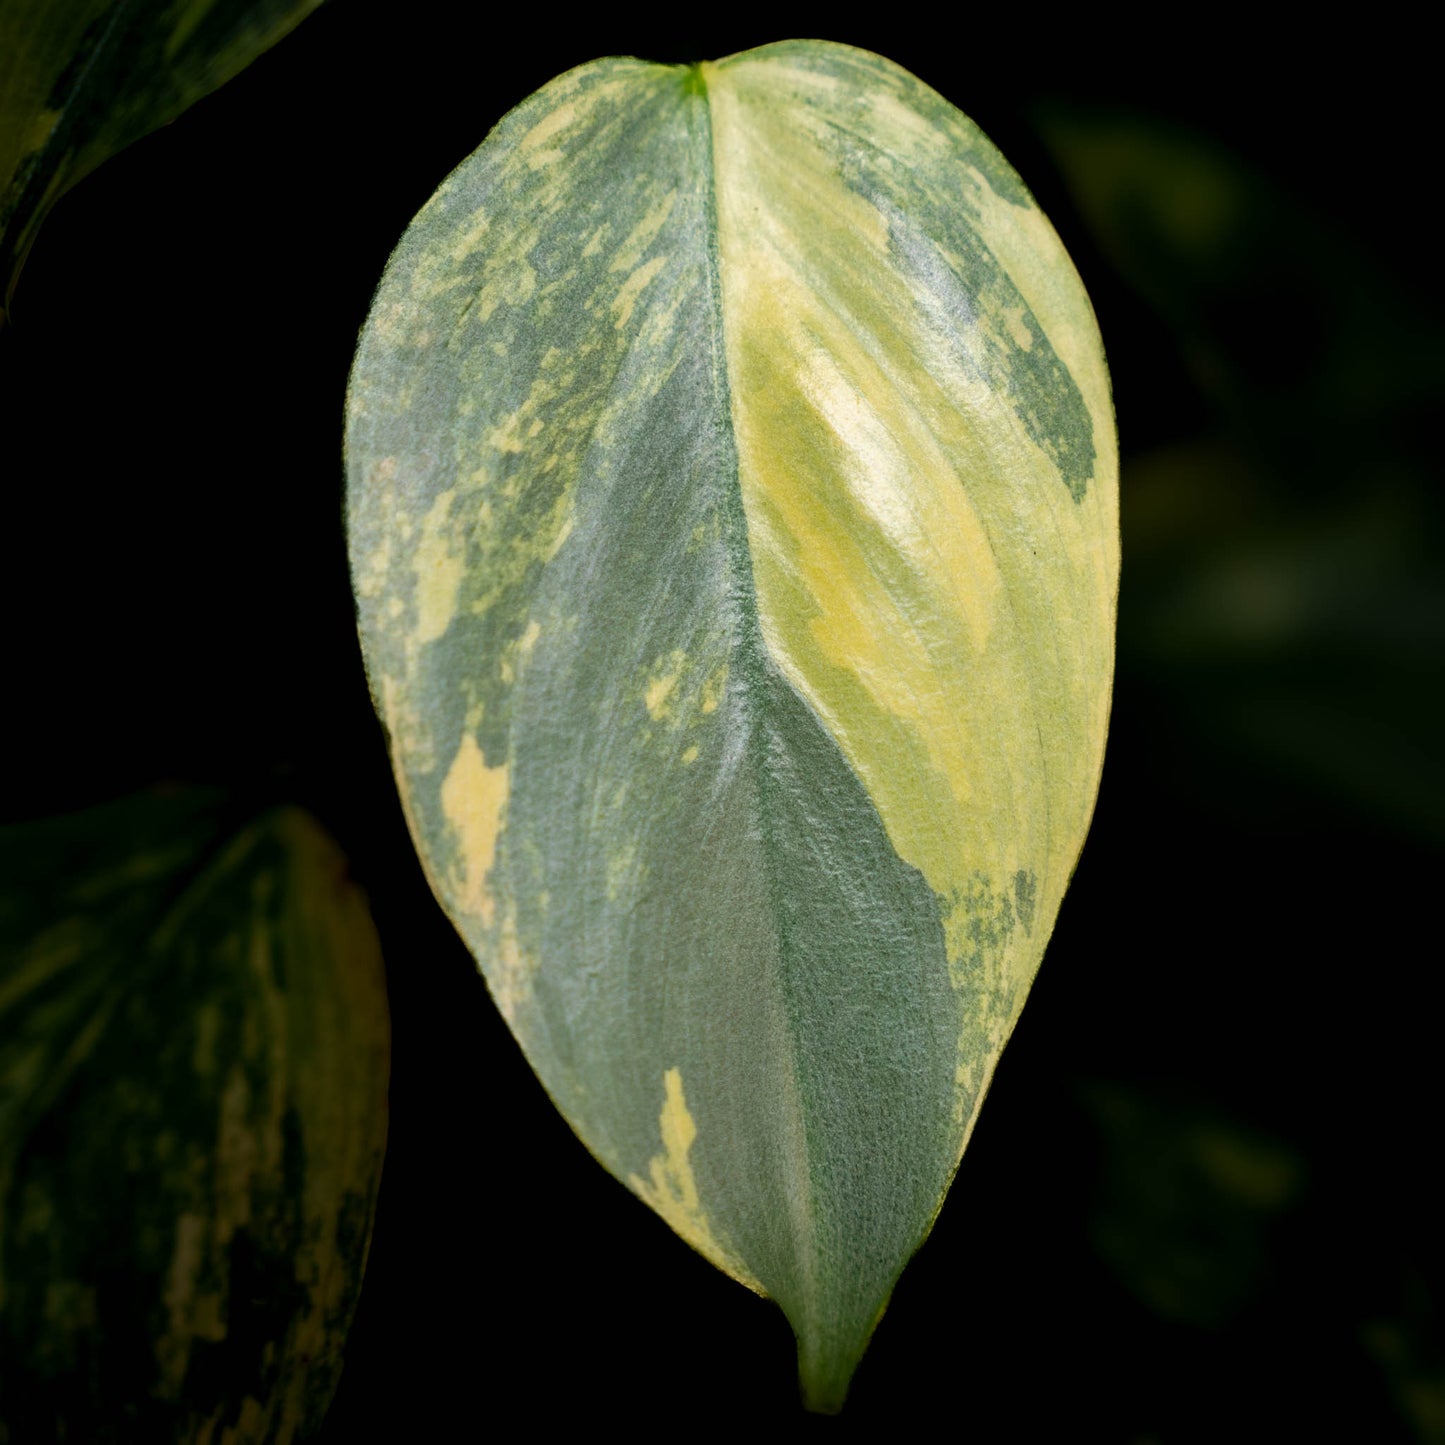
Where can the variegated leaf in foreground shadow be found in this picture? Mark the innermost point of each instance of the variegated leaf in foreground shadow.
(82, 79)
(194, 1049)
(733, 523)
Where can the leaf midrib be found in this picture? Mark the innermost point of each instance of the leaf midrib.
(750, 650)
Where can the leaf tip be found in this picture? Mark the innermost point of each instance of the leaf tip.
(823, 1378)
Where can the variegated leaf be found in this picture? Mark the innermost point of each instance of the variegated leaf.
(194, 1045)
(82, 79)
(733, 523)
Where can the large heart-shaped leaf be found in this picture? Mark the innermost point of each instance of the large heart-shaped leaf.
(733, 521)
(194, 1045)
(82, 79)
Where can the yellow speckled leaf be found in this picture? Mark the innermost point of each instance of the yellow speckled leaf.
(194, 1054)
(734, 528)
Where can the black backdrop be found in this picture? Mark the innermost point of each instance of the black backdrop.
(1199, 1204)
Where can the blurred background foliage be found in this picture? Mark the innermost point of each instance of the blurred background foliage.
(1201, 1203)
(83, 79)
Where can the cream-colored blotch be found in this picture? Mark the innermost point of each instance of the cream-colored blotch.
(671, 1188)
(474, 802)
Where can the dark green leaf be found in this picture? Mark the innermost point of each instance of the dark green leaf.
(194, 1047)
(82, 79)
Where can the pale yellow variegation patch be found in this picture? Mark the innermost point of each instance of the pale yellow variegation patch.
(509, 968)
(671, 1188)
(474, 801)
(661, 685)
(440, 565)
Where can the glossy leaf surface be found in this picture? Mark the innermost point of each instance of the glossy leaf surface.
(194, 1046)
(82, 79)
(733, 523)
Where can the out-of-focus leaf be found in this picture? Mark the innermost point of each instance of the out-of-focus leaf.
(733, 520)
(1211, 245)
(82, 79)
(1288, 600)
(1187, 1203)
(194, 1046)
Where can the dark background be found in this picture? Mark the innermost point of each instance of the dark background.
(1199, 1204)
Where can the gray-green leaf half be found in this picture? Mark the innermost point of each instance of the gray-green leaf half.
(732, 503)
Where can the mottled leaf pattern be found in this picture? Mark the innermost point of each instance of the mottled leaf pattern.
(733, 523)
(194, 1046)
(82, 79)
